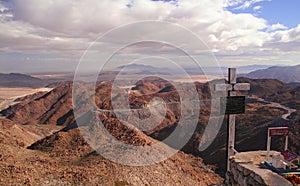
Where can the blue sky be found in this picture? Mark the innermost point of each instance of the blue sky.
(55, 34)
(285, 12)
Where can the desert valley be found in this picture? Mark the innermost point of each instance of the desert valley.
(42, 145)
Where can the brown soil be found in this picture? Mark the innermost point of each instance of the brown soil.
(64, 158)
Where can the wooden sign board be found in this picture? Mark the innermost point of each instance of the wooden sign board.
(278, 131)
(232, 105)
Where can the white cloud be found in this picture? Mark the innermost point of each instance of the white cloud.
(243, 4)
(87, 18)
(277, 26)
(287, 36)
(257, 8)
(248, 4)
(69, 26)
(229, 3)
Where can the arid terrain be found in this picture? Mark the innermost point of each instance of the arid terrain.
(124, 92)
(64, 158)
(42, 145)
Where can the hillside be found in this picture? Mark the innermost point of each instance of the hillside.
(275, 91)
(43, 114)
(181, 169)
(286, 74)
(55, 109)
(51, 107)
(64, 158)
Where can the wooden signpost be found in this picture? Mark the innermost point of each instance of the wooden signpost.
(230, 106)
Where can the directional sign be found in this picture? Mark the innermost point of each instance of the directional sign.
(278, 131)
(233, 105)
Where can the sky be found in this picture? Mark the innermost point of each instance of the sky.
(53, 35)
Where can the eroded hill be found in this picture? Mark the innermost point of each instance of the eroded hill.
(57, 154)
(55, 109)
(64, 158)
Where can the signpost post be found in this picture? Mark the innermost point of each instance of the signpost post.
(230, 106)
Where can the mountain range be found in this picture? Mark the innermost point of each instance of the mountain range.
(55, 110)
(39, 133)
(286, 74)
(13, 80)
(41, 144)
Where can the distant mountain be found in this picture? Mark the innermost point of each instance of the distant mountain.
(14, 80)
(143, 69)
(213, 70)
(294, 84)
(208, 70)
(250, 68)
(138, 67)
(20, 80)
(286, 74)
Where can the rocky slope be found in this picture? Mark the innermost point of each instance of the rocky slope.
(51, 107)
(64, 158)
(55, 108)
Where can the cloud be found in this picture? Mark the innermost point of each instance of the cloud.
(247, 4)
(69, 26)
(277, 26)
(85, 19)
(243, 4)
(291, 36)
(257, 8)
(230, 3)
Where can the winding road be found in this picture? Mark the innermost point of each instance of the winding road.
(278, 105)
